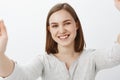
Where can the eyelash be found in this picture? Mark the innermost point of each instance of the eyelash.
(54, 26)
(67, 23)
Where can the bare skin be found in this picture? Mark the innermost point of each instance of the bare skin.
(7, 65)
(117, 4)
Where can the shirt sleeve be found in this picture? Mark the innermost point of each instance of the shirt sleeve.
(30, 71)
(107, 58)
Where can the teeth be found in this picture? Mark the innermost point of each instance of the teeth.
(63, 37)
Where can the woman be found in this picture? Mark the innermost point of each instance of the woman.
(66, 58)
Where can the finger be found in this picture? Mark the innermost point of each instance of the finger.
(2, 27)
(118, 39)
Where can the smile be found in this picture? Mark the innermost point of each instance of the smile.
(63, 37)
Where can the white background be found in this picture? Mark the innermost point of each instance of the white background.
(25, 22)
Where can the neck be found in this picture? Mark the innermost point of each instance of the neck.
(66, 50)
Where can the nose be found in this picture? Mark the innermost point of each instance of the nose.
(62, 29)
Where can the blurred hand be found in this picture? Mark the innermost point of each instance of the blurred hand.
(3, 37)
(117, 4)
(118, 39)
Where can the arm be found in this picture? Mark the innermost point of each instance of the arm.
(6, 65)
(30, 71)
(10, 70)
(109, 58)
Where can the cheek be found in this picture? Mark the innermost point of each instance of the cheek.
(73, 30)
(75, 33)
(53, 33)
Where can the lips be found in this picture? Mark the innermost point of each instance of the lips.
(63, 37)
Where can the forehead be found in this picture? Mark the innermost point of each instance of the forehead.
(60, 16)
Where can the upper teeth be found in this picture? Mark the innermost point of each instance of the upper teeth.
(63, 37)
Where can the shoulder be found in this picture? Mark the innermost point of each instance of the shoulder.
(47, 59)
(89, 51)
(44, 57)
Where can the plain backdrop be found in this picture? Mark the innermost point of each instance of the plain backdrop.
(25, 22)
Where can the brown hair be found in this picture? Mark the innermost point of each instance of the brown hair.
(51, 45)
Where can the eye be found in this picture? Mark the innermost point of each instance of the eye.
(67, 23)
(54, 26)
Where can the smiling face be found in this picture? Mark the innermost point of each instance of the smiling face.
(63, 28)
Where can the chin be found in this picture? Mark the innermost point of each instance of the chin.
(65, 44)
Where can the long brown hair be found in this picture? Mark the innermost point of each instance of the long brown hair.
(51, 45)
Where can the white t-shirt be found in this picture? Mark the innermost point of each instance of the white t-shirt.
(85, 67)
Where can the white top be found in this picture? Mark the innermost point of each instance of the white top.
(84, 68)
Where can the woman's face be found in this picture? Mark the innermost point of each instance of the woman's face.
(62, 28)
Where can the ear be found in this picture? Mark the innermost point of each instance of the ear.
(48, 28)
(77, 26)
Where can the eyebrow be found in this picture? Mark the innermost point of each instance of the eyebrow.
(63, 21)
(66, 20)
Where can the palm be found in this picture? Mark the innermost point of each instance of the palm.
(3, 38)
(117, 4)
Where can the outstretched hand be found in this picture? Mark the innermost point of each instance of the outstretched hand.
(117, 4)
(118, 39)
(3, 37)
